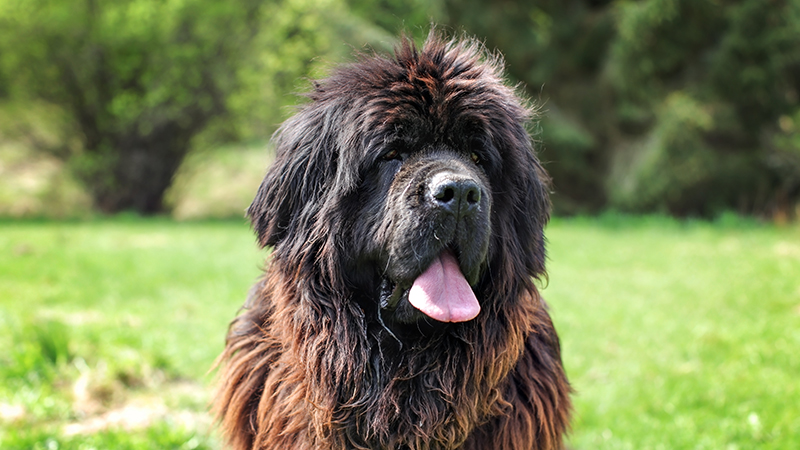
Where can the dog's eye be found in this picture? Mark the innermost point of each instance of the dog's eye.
(475, 158)
(391, 155)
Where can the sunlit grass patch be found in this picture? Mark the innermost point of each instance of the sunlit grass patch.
(112, 327)
(676, 335)
(679, 335)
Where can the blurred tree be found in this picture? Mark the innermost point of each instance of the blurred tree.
(557, 49)
(413, 17)
(714, 93)
(682, 106)
(139, 79)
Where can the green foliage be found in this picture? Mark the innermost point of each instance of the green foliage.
(397, 16)
(738, 66)
(784, 152)
(133, 65)
(139, 79)
(676, 170)
(658, 41)
(568, 149)
(557, 50)
(533, 35)
(295, 40)
(621, 77)
(755, 67)
(683, 106)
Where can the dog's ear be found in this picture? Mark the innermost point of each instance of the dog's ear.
(527, 187)
(532, 211)
(289, 198)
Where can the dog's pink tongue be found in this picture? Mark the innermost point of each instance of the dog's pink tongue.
(442, 292)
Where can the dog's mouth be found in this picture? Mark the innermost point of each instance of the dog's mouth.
(441, 292)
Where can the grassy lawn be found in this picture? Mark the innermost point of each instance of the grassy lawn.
(112, 327)
(675, 335)
(679, 336)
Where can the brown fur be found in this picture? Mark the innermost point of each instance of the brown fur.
(310, 363)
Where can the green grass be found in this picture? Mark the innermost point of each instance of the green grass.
(679, 336)
(675, 335)
(101, 316)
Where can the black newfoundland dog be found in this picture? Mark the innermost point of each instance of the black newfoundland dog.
(405, 211)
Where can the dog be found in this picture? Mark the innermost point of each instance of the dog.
(399, 310)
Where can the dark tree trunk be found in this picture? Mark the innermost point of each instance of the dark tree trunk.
(141, 171)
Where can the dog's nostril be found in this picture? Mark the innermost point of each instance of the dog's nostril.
(445, 195)
(473, 194)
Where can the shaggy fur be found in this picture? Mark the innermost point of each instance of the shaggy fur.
(328, 353)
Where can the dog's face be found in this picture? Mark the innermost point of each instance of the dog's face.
(429, 231)
(416, 175)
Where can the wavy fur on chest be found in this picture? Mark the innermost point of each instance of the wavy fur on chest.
(305, 371)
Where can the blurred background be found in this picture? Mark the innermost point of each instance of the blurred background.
(683, 107)
(671, 129)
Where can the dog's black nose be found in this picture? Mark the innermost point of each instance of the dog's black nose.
(457, 194)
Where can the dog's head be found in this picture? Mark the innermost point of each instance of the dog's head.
(411, 183)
